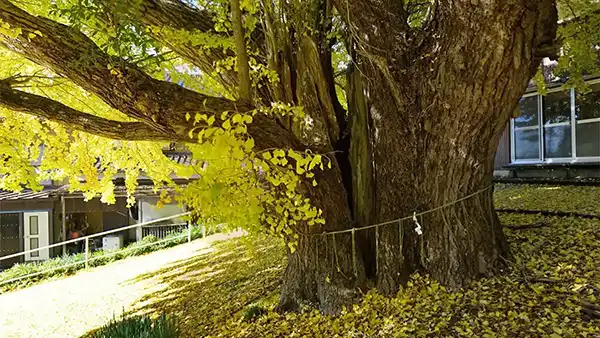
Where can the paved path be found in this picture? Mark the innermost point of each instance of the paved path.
(72, 306)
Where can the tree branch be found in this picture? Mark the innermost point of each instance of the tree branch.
(54, 111)
(160, 105)
(242, 54)
(384, 23)
(180, 16)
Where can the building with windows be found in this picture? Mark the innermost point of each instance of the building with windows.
(35, 219)
(556, 135)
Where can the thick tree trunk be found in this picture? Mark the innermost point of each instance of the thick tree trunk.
(427, 138)
(325, 271)
(437, 124)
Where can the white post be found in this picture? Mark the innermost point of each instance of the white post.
(138, 230)
(189, 231)
(87, 251)
(64, 224)
(203, 231)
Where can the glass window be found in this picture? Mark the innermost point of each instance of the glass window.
(588, 139)
(557, 141)
(587, 113)
(557, 126)
(556, 107)
(556, 117)
(527, 144)
(587, 106)
(33, 225)
(528, 112)
(34, 243)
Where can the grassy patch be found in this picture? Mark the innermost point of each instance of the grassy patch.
(232, 291)
(69, 264)
(139, 327)
(581, 199)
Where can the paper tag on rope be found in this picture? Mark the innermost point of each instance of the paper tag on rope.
(418, 226)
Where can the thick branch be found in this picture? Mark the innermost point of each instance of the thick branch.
(180, 16)
(123, 86)
(159, 104)
(57, 112)
(242, 54)
(379, 26)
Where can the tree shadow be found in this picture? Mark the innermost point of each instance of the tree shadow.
(205, 291)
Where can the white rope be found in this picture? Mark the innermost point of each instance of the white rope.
(412, 217)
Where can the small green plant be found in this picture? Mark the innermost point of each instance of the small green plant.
(253, 311)
(139, 327)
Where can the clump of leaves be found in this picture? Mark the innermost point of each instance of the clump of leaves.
(140, 327)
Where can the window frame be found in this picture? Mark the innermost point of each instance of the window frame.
(542, 127)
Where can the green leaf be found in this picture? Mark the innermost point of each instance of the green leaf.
(211, 120)
(249, 144)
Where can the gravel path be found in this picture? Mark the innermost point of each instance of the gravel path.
(72, 306)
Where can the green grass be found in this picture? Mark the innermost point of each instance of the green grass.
(579, 199)
(139, 327)
(69, 264)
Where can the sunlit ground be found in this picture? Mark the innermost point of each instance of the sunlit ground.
(72, 306)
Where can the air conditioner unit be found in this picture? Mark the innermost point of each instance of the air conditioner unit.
(112, 242)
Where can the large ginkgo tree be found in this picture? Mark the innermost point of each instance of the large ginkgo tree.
(301, 117)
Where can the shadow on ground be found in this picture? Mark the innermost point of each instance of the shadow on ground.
(206, 291)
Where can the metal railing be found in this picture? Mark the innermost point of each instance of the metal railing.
(161, 231)
(86, 240)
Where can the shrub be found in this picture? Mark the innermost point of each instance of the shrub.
(139, 327)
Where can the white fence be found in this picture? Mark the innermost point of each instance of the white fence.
(86, 239)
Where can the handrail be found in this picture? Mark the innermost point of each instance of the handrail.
(94, 235)
(164, 225)
(83, 261)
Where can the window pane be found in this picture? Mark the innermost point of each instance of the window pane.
(34, 243)
(527, 144)
(556, 107)
(588, 139)
(557, 141)
(528, 112)
(33, 225)
(587, 106)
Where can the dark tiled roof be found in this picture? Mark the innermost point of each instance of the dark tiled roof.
(56, 192)
(177, 157)
(26, 195)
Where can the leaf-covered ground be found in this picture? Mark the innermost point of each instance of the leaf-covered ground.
(556, 268)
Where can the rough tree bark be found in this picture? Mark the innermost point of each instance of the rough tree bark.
(426, 108)
(437, 120)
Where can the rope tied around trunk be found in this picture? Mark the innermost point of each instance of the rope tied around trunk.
(412, 217)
